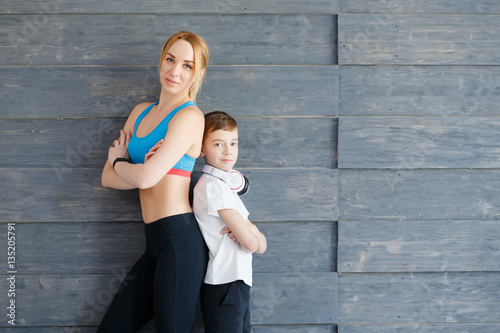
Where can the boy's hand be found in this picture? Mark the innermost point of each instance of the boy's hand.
(230, 234)
(153, 150)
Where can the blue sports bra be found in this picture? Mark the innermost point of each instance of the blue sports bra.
(139, 147)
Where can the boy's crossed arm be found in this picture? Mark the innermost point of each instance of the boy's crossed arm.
(246, 233)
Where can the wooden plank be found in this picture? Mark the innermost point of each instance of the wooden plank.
(287, 142)
(112, 91)
(419, 90)
(298, 247)
(295, 328)
(419, 39)
(48, 248)
(272, 90)
(437, 298)
(197, 329)
(138, 39)
(294, 195)
(76, 195)
(420, 328)
(297, 298)
(83, 142)
(407, 143)
(419, 6)
(107, 91)
(306, 298)
(73, 248)
(149, 328)
(419, 194)
(310, 328)
(70, 329)
(348, 328)
(418, 246)
(57, 143)
(182, 7)
(64, 195)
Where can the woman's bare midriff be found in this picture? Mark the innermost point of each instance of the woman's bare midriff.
(167, 198)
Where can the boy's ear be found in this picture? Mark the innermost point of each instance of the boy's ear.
(202, 154)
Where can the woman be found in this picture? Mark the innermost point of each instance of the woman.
(166, 280)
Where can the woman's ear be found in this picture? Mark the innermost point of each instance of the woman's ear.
(202, 74)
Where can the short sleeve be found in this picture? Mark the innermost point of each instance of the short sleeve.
(220, 196)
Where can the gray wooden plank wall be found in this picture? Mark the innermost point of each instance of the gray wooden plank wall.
(418, 209)
(369, 131)
(71, 71)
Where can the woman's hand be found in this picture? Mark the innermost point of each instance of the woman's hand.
(153, 150)
(119, 147)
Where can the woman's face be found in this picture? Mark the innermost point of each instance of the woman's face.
(177, 68)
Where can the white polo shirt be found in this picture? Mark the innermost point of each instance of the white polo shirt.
(227, 261)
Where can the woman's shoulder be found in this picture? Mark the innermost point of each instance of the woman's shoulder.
(192, 108)
(190, 113)
(134, 114)
(141, 107)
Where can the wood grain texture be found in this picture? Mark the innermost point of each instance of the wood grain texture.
(413, 103)
(276, 299)
(418, 246)
(298, 247)
(287, 142)
(176, 7)
(294, 195)
(294, 328)
(149, 328)
(272, 90)
(295, 298)
(419, 194)
(68, 329)
(64, 195)
(113, 91)
(419, 91)
(379, 7)
(420, 328)
(419, 39)
(408, 143)
(419, 298)
(270, 142)
(138, 39)
(108, 248)
(76, 195)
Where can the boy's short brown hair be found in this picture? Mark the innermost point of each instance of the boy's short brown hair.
(218, 120)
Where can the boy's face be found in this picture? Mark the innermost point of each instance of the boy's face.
(220, 149)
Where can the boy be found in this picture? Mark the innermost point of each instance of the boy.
(231, 238)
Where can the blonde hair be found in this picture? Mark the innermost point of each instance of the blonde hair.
(201, 54)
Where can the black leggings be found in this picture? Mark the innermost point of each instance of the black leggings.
(164, 282)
